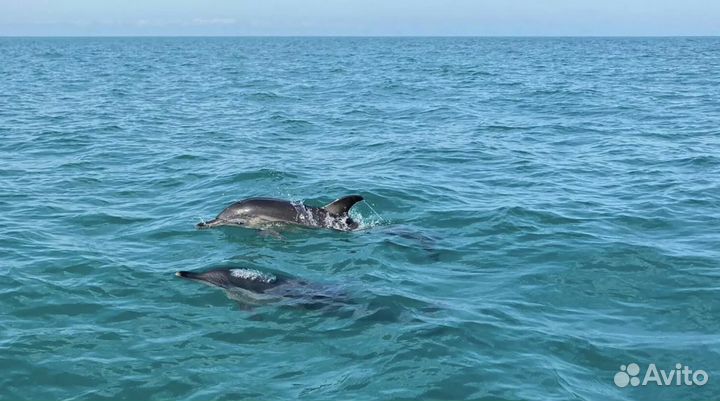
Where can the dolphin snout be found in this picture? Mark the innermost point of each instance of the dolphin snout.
(187, 275)
(209, 224)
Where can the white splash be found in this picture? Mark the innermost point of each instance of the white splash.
(365, 222)
(254, 275)
(307, 217)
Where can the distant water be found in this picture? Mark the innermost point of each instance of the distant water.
(547, 211)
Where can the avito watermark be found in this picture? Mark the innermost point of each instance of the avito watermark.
(682, 375)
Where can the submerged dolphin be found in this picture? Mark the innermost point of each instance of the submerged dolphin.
(253, 287)
(264, 212)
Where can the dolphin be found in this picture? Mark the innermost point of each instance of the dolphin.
(253, 287)
(262, 213)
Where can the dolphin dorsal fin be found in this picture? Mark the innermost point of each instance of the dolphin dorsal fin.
(342, 205)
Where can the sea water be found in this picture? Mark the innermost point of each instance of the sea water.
(539, 214)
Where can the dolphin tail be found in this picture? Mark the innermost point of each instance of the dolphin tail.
(209, 224)
(342, 206)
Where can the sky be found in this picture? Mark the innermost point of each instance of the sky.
(360, 17)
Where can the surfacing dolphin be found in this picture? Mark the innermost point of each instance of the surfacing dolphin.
(262, 213)
(252, 287)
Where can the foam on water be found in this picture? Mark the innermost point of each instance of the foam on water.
(367, 222)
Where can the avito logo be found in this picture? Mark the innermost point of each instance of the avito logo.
(680, 376)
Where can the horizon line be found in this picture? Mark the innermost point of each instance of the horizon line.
(359, 36)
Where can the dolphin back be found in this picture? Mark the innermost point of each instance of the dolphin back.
(268, 208)
(260, 212)
(247, 279)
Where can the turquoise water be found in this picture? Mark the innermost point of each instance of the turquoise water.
(538, 212)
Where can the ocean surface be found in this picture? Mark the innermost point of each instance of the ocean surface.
(538, 213)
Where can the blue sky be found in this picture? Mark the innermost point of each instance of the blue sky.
(360, 17)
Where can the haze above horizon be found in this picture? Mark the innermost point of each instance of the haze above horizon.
(360, 18)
